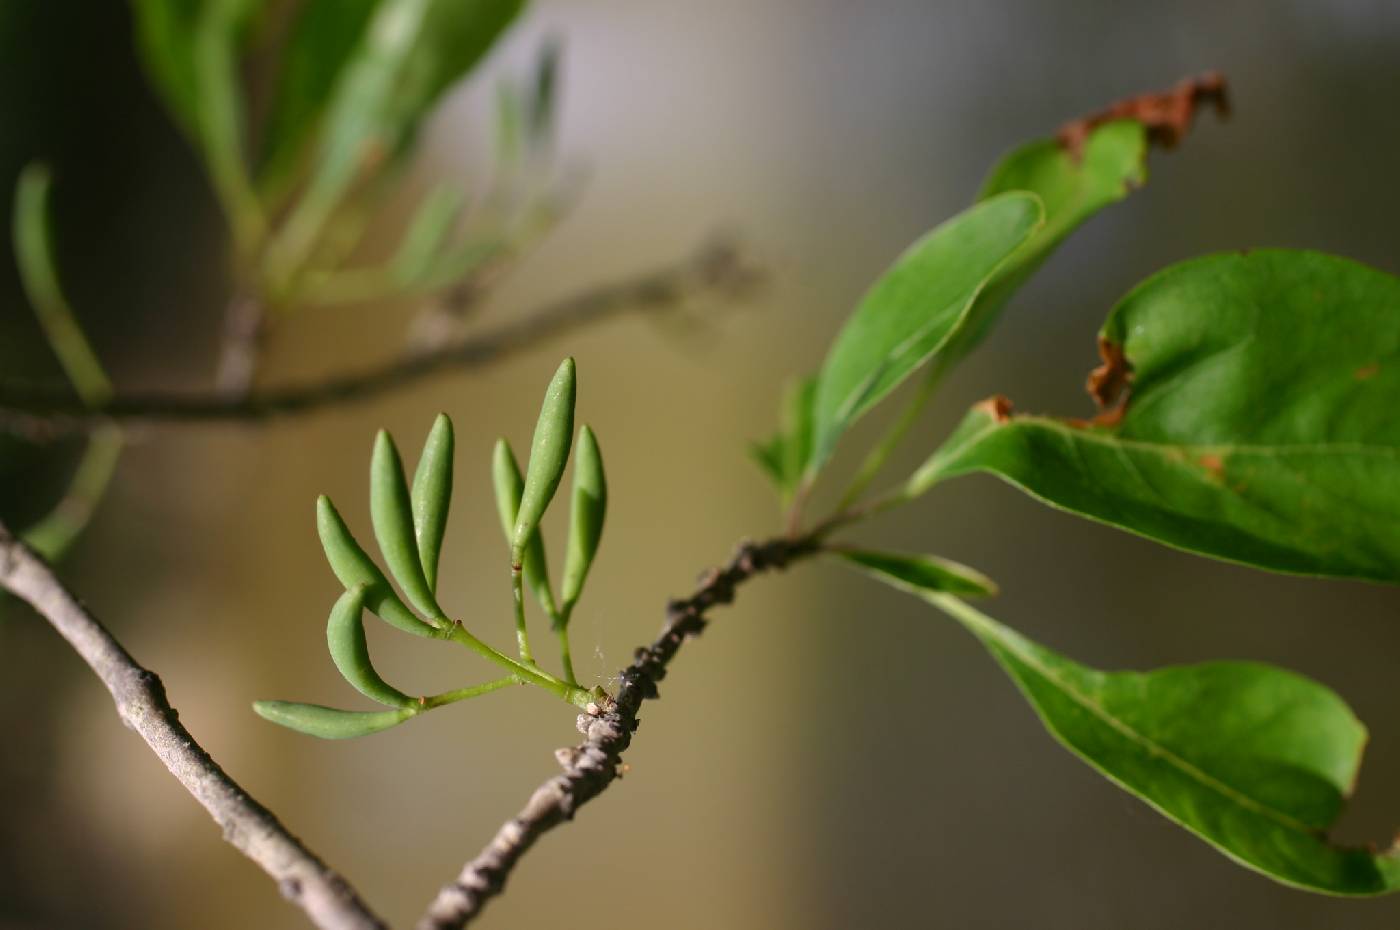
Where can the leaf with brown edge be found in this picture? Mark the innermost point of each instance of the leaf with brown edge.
(1252, 420)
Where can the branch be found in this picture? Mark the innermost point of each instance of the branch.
(304, 879)
(717, 269)
(592, 765)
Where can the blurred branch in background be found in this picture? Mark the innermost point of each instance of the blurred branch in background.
(716, 271)
(327, 898)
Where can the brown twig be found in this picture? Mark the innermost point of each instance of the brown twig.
(718, 269)
(592, 765)
(328, 900)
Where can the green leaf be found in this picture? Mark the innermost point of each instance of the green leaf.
(353, 567)
(1112, 165)
(391, 512)
(412, 51)
(590, 506)
(427, 234)
(549, 453)
(319, 47)
(784, 457)
(190, 49)
(432, 496)
(915, 307)
(1255, 760)
(56, 531)
(345, 638)
(543, 99)
(919, 573)
(1260, 426)
(330, 722)
(509, 485)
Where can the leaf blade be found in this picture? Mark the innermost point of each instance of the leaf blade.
(352, 566)
(549, 454)
(586, 516)
(329, 722)
(345, 640)
(1258, 428)
(1255, 760)
(431, 496)
(391, 513)
(509, 484)
(916, 574)
(913, 309)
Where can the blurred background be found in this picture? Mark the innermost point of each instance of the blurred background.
(831, 754)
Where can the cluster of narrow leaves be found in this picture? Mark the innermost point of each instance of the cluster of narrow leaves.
(410, 522)
(1247, 415)
(354, 83)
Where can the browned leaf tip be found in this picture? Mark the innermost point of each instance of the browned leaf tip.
(998, 407)
(1166, 115)
(1108, 384)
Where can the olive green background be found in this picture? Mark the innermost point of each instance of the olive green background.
(831, 754)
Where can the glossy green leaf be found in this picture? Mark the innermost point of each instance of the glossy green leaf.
(345, 638)
(352, 566)
(1260, 425)
(509, 485)
(919, 573)
(1111, 165)
(432, 496)
(549, 453)
(590, 507)
(330, 722)
(391, 512)
(915, 307)
(319, 47)
(1255, 760)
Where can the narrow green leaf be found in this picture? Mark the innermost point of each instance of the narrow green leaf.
(33, 242)
(915, 307)
(768, 455)
(427, 234)
(509, 485)
(919, 573)
(330, 722)
(1259, 424)
(590, 506)
(53, 533)
(1255, 760)
(320, 45)
(785, 456)
(543, 104)
(412, 51)
(549, 453)
(345, 638)
(190, 49)
(352, 566)
(432, 496)
(391, 511)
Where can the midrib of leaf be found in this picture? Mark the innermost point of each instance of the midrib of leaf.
(982, 625)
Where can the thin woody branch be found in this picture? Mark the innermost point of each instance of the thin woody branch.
(716, 270)
(328, 900)
(593, 765)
